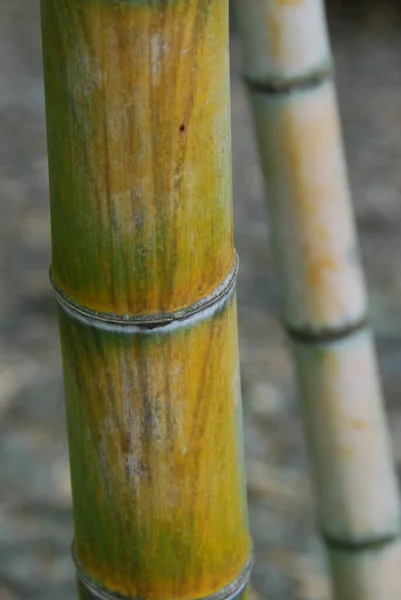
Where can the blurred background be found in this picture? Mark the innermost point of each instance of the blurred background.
(35, 504)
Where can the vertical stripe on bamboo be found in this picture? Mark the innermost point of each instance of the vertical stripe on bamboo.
(138, 119)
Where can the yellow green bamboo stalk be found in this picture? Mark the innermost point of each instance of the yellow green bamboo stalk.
(289, 75)
(144, 268)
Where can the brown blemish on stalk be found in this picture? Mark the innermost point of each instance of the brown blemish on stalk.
(318, 270)
(288, 2)
(358, 424)
(320, 261)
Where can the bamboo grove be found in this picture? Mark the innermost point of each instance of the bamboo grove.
(144, 271)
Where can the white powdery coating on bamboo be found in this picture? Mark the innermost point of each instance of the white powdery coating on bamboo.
(310, 208)
(349, 443)
(282, 38)
(368, 575)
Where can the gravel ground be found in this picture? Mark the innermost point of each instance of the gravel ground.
(35, 504)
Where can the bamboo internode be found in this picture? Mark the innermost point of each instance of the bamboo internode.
(348, 438)
(289, 39)
(139, 119)
(311, 226)
(143, 263)
(288, 72)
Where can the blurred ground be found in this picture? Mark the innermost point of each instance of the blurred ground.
(35, 508)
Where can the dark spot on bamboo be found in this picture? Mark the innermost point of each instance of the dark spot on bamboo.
(134, 466)
(125, 441)
(182, 127)
(150, 326)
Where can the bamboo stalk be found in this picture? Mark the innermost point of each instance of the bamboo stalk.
(288, 71)
(143, 264)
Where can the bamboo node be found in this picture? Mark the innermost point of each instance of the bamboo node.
(326, 335)
(96, 591)
(286, 85)
(151, 321)
(362, 545)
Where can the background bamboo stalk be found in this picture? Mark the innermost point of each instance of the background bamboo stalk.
(287, 65)
(137, 100)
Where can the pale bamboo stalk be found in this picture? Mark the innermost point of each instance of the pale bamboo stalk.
(288, 71)
(144, 268)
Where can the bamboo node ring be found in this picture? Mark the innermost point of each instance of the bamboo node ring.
(287, 85)
(326, 335)
(222, 291)
(95, 591)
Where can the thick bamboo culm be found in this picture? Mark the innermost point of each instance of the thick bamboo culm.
(289, 77)
(144, 268)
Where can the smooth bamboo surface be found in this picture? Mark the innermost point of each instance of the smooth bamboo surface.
(347, 436)
(323, 301)
(289, 38)
(312, 228)
(138, 115)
